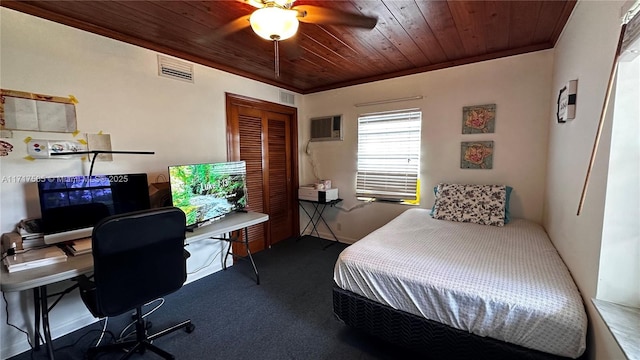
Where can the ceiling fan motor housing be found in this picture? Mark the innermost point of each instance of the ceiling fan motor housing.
(274, 23)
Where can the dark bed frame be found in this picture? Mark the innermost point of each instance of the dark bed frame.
(435, 340)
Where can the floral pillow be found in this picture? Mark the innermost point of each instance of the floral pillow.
(480, 204)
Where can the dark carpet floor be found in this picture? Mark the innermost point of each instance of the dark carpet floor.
(288, 316)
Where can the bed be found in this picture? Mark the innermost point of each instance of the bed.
(452, 286)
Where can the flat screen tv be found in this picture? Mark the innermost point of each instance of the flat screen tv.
(208, 192)
(72, 205)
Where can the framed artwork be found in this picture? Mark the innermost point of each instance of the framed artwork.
(566, 109)
(479, 119)
(476, 155)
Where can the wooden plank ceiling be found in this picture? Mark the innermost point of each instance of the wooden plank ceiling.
(410, 36)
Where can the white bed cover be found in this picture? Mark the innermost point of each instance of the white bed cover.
(507, 283)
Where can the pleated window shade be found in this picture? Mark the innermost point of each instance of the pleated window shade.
(389, 155)
(632, 30)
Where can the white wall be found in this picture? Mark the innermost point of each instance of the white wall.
(518, 85)
(119, 93)
(585, 52)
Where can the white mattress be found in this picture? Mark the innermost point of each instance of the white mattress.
(507, 283)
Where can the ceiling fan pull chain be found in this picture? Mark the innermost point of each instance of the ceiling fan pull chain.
(277, 55)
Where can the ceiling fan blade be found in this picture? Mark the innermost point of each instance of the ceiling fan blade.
(255, 3)
(226, 30)
(320, 15)
(236, 25)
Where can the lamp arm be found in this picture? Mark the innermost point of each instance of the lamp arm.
(98, 152)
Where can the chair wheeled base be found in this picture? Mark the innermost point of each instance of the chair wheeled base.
(142, 341)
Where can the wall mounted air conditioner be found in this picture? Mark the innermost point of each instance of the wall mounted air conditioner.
(326, 128)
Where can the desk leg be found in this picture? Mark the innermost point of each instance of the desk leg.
(45, 321)
(246, 243)
(42, 312)
(36, 305)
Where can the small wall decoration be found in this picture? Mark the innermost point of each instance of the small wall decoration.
(476, 155)
(5, 148)
(566, 109)
(479, 119)
(42, 149)
(100, 141)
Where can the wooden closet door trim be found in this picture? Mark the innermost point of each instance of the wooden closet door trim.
(233, 102)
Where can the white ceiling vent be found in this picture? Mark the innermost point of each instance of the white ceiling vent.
(287, 98)
(175, 69)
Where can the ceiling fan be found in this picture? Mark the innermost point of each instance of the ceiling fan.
(278, 20)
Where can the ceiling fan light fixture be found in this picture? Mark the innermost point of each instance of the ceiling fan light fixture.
(274, 23)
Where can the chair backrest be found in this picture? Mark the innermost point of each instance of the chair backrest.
(138, 257)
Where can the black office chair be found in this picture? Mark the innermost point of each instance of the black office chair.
(137, 257)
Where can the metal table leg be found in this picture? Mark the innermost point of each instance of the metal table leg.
(45, 321)
(316, 217)
(308, 223)
(246, 244)
(41, 308)
(36, 305)
(312, 219)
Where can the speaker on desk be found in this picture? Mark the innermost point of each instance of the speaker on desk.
(160, 195)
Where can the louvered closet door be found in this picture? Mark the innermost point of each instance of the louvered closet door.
(264, 135)
(250, 138)
(279, 177)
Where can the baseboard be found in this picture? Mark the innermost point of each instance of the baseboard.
(327, 236)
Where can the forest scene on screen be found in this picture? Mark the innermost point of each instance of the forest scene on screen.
(207, 191)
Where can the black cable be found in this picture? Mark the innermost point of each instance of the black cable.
(11, 251)
(6, 309)
(85, 334)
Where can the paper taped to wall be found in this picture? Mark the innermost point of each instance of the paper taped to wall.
(42, 149)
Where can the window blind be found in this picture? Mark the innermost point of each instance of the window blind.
(389, 155)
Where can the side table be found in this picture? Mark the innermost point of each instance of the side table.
(315, 217)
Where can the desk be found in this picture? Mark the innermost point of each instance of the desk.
(316, 216)
(38, 278)
(226, 225)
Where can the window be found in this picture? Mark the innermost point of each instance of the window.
(618, 275)
(389, 155)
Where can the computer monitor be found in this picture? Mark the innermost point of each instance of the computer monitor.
(208, 191)
(72, 205)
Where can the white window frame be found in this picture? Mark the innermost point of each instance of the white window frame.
(388, 166)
